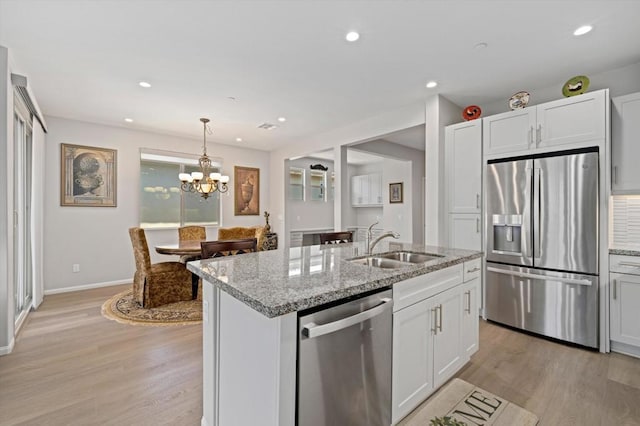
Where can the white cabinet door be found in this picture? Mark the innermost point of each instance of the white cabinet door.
(357, 197)
(412, 358)
(375, 188)
(512, 131)
(571, 120)
(469, 327)
(625, 308)
(447, 354)
(463, 159)
(625, 149)
(465, 231)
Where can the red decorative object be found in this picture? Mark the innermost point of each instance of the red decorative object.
(471, 112)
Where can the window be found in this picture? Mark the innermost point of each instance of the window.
(296, 184)
(162, 203)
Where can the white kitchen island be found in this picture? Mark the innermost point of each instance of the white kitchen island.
(251, 304)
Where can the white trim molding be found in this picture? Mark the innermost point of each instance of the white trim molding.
(87, 286)
(6, 350)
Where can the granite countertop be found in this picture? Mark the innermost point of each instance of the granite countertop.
(624, 252)
(278, 282)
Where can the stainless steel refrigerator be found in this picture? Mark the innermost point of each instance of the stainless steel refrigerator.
(542, 244)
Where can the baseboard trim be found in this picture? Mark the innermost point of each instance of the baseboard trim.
(625, 349)
(86, 286)
(6, 350)
(203, 422)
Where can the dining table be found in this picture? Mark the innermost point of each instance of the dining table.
(184, 248)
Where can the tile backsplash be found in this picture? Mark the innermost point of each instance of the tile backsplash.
(625, 229)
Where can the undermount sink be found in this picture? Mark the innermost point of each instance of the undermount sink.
(394, 260)
(410, 257)
(379, 262)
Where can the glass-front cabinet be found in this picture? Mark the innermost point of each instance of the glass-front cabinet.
(296, 184)
(317, 185)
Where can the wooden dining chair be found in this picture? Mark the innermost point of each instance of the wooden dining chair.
(219, 248)
(336, 237)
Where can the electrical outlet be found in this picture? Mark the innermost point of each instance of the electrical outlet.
(76, 267)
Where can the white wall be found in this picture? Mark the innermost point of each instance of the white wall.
(439, 113)
(97, 238)
(309, 214)
(373, 127)
(398, 217)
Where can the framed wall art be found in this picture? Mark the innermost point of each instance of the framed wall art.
(246, 194)
(87, 176)
(395, 192)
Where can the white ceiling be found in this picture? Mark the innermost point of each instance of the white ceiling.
(289, 58)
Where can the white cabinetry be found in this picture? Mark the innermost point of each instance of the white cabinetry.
(366, 190)
(430, 340)
(463, 183)
(566, 123)
(625, 149)
(463, 159)
(625, 304)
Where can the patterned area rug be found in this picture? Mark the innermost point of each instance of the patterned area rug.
(460, 403)
(123, 309)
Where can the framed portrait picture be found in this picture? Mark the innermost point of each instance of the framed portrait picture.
(87, 176)
(395, 192)
(246, 191)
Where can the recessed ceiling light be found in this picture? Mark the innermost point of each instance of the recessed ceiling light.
(352, 36)
(129, 120)
(431, 84)
(282, 119)
(238, 139)
(144, 84)
(582, 30)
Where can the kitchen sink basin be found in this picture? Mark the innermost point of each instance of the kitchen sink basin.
(379, 262)
(394, 260)
(410, 257)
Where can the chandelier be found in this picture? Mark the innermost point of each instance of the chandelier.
(204, 181)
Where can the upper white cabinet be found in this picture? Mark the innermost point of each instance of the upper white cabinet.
(366, 190)
(566, 123)
(463, 160)
(465, 231)
(625, 149)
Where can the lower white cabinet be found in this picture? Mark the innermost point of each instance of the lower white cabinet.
(625, 309)
(435, 331)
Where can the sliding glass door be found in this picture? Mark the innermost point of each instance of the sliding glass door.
(22, 173)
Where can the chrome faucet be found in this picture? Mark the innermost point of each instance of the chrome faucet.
(371, 244)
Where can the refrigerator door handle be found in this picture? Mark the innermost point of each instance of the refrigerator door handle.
(526, 232)
(539, 277)
(537, 201)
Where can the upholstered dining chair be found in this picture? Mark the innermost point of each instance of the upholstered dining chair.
(158, 283)
(336, 237)
(241, 232)
(191, 233)
(219, 248)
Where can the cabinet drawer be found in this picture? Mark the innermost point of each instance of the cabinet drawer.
(415, 289)
(472, 269)
(624, 264)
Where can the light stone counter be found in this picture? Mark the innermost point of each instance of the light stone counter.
(279, 282)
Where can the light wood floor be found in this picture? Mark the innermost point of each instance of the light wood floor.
(70, 366)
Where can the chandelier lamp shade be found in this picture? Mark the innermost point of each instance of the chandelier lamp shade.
(204, 181)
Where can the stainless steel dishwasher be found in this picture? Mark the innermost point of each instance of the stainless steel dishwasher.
(344, 363)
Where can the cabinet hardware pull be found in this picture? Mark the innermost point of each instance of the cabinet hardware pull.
(615, 174)
(470, 271)
(435, 321)
(477, 201)
(477, 225)
(530, 135)
(615, 291)
(539, 134)
(468, 308)
(440, 325)
(630, 264)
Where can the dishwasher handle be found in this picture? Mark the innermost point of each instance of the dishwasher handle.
(312, 329)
